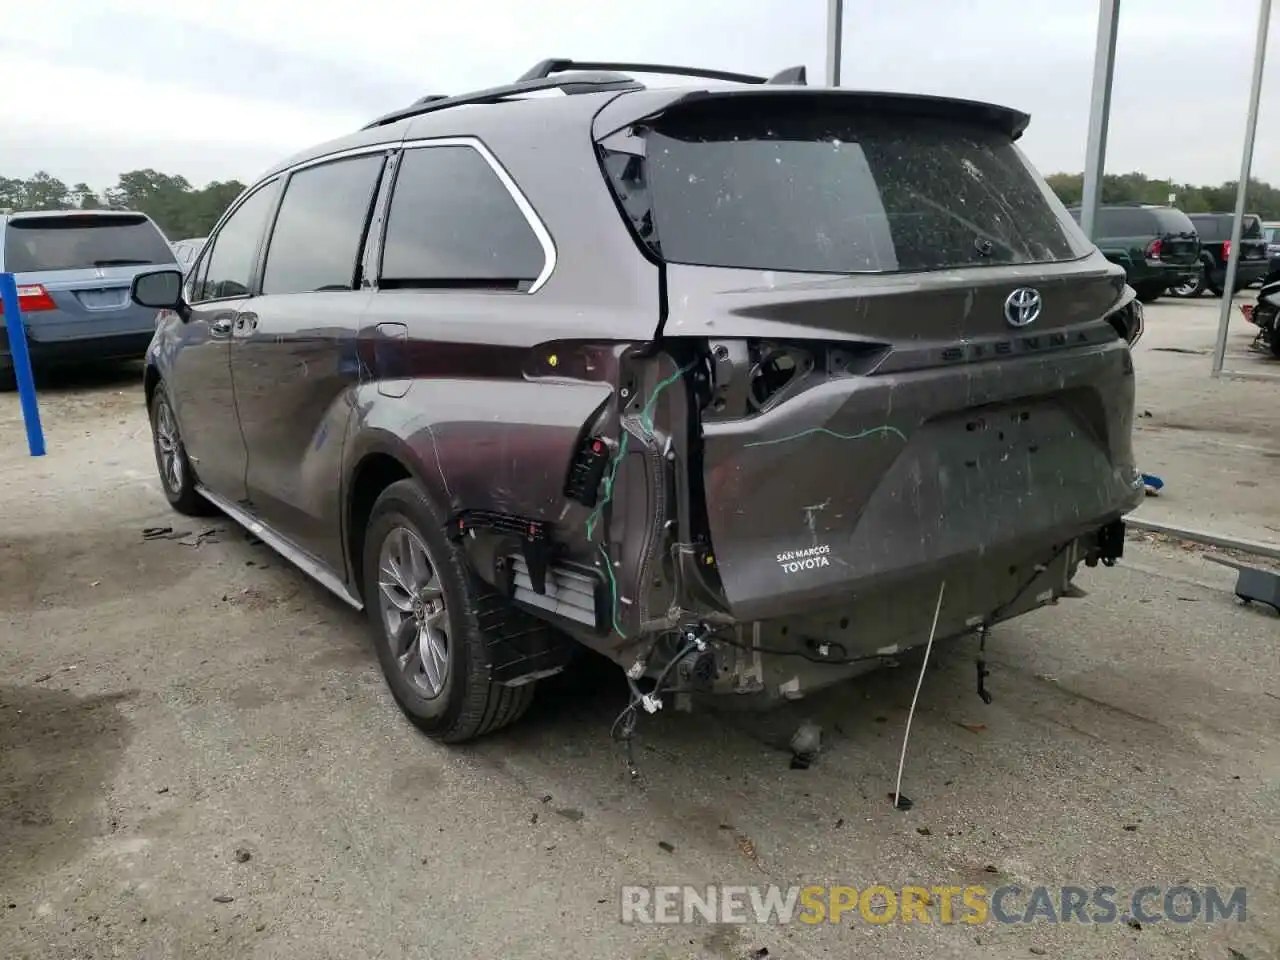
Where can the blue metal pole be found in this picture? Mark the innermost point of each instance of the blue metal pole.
(22, 364)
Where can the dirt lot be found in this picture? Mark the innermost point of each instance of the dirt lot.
(198, 757)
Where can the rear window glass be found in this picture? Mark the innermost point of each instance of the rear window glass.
(1210, 228)
(1126, 222)
(1173, 221)
(79, 242)
(817, 190)
(1218, 227)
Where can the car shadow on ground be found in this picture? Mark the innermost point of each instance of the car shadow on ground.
(78, 378)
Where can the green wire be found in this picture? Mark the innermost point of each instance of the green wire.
(646, 421)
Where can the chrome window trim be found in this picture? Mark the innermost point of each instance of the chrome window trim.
(539, 229)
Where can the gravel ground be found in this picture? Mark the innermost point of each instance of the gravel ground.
(198, 757)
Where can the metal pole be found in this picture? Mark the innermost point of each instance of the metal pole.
(1246, 163)
(21, 364)
(835, 40)
(1095, 154)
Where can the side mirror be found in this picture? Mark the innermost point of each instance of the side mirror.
(158, 289)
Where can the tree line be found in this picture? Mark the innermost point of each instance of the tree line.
(180, 209)
(183, 210)
(1261, 198)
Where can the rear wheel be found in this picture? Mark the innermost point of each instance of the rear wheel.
(1148, 294)
(176, 476)
(429, 616)
(1190, 288)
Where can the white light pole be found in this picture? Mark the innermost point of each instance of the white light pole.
(1095, 151)
(1246, 163)
(835, 40)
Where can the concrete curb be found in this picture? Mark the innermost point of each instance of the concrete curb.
(1256, 547)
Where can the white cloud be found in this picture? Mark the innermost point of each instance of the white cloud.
(223, 89)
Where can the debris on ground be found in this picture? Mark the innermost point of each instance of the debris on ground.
(972, 727)
(206, 536)
(805, 744)
(747, 848)
(223, 898)
(663, 845)
(243, 855)
(164, 533)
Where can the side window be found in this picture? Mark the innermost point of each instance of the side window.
(227, 267)
(452, 221)
(321, 226)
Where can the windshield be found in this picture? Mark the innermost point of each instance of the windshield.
(83, 241)
(818, 190)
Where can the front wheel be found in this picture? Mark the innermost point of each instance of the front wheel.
(429, 615)
(176, 476)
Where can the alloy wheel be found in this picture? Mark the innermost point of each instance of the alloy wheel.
(168, 447)
(414, 616)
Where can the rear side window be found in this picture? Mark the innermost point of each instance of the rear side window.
(805, 188)
(320, 228)
(452, 222)
(84, 241)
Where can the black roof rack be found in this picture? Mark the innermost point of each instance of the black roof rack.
(545, 68)
(584, 77)
(578, 83)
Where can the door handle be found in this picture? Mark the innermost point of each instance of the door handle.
(221, 327)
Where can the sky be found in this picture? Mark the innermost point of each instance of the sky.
(223, 90)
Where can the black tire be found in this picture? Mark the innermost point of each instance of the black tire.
(1148, 295)
(181, 493)
(8, 379)
(469, 704)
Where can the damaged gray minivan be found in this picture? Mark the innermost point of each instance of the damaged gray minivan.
(722, 380)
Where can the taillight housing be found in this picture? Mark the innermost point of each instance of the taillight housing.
(1154, 249)
(32, 297)
(1226, 250)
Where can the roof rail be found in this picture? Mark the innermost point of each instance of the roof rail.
(585, 77)
(578, 83)
(792, 75)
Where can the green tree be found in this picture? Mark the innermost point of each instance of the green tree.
(1261, 198)
(44, 192)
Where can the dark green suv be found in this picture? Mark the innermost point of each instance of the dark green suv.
(1157, 246)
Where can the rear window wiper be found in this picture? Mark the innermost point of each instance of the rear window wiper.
(120, 262)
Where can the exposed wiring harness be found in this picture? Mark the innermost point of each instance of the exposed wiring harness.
(646, 424)
(626, 720)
